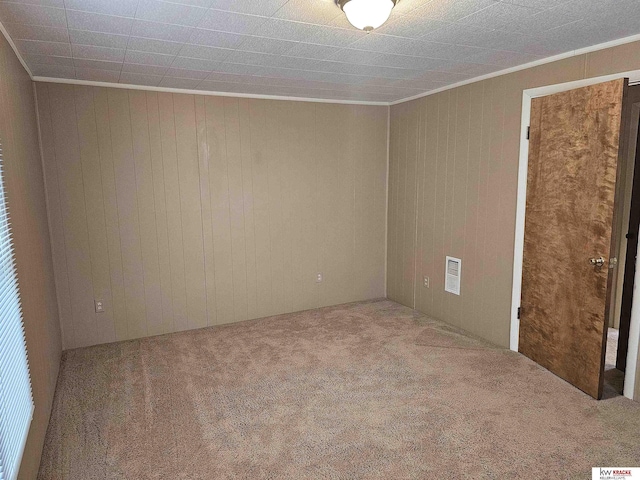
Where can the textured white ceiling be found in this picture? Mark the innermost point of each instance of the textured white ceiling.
(302, 47)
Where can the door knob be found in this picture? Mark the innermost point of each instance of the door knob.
(597, 262)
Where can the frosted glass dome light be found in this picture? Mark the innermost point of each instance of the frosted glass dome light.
(367, 14)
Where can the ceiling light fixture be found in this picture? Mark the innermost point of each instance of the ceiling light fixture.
(367, 14)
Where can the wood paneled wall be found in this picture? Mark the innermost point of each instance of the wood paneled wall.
(182, 211)
(27, 208)
(453, 179)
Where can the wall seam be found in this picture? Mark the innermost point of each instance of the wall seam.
(64, 233)
(115, 190)
(166, 220)
(138, 202)
(46, 201)
(415, 241)
(104, 210)
(204, 253)
(84, 199)
(184, 266)
(386, 215)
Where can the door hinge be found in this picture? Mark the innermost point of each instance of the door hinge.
(519, 310)
(528, 133)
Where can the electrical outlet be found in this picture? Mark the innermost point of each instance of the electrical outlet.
(426, 282)
(319, 278)
(99, 306)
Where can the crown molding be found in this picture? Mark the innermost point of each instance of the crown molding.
(542, 61)
(204, 92)
(15, 49)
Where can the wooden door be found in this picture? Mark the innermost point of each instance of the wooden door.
(571, 187)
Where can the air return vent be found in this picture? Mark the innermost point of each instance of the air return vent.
(452, 275)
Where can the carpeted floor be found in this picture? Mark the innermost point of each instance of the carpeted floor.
(360, 391)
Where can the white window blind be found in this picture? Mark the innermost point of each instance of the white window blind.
(16, 403)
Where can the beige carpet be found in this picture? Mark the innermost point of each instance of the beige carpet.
(359, 391)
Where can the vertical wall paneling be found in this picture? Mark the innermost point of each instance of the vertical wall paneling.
(440, 208)
(117, 302)
(74, 217)
(236, 208)
(287, 121)
(248, 207)
(96, 229)
(418, 282)
(494, 228)
(335, 202)
(190, 210)
(261, 201)
(427, 204)
(370, 209)
(410, 202)
(449, 196)
(404, 192)
(275, 152)
(128, 212)
(174, 210)
(392, 217)
(459, 192)
(165, 323)
(58, 248)
(471, 251)
(141, 144)
(205, 202)
(303, 199)
(219, 200)
(182, 211)
(401, 210)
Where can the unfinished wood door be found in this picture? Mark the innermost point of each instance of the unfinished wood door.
(571, 187)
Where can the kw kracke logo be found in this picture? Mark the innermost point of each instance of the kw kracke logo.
(615, 473)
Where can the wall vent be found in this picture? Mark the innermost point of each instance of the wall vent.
(453, 269)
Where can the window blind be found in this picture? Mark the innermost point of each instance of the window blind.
(16, 403)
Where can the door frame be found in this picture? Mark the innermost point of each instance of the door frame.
(521, 203)
(632, 183)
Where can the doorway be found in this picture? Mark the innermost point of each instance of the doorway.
(620, 321)
(613, 377)
(528, 96)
